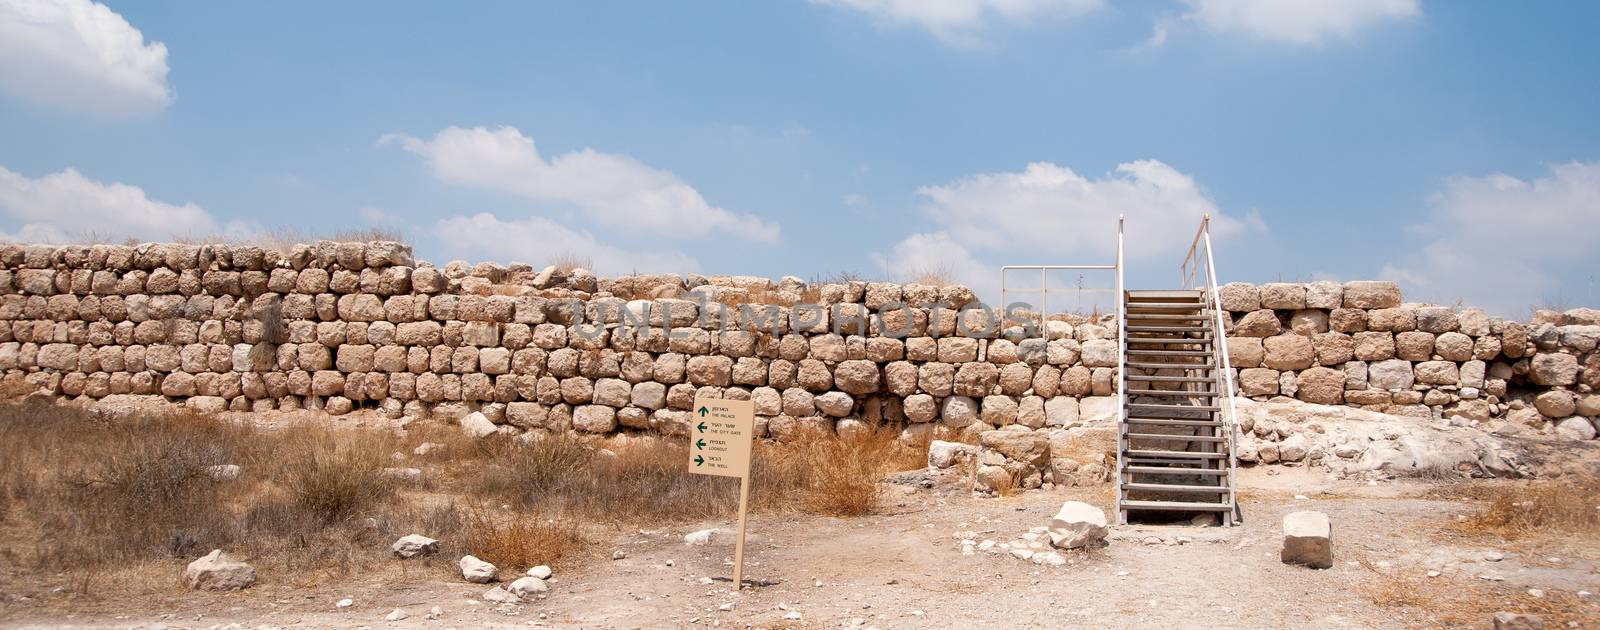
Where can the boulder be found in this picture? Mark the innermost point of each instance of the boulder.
(1077, 525)
(700, 538)
(501, 596)
(1552, 369)
(1307, 540)
(1576, 428)
(477, 425)
(942, 454)
(527, 587)
(477, 571)
(414, 545)
(218, 571)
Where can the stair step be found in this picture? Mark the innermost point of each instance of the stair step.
(1176, 506)
(1170, 353)
(1174, 470)
(1174, 454)
(1177, 422)
(1164, 305)
(1165, 340)
(1172, 487)
(1170, 366)
(1163, 293)
(1170, 379)
(1134, 329)
(1167, 316)
(1171, 393)
(1183, 438)
(1158, 407)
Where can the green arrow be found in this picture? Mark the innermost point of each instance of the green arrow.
(699, 443)
(702, 427)
(702, 411)
(698, 460)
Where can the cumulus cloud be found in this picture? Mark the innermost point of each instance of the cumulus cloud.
(1050, 213)
(65, 206)
(959, 22)
(1505, 243)
(82, 55)
(537, 240)
(1297, 21)
(616, 191)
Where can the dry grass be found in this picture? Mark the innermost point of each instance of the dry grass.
(81, 493)
(938, 275)
(1450, 603)
(565, 263)
(284, 239)
(1516, 510)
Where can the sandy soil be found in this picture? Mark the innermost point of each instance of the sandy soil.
(904, 568)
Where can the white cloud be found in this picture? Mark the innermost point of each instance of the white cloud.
(82, 55)
(538, 240)
(614, 190)
(65, 206)
(1297, 21)
(959, 22)
(1050, 213)
(1502, 243)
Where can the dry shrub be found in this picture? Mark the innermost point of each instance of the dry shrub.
(284, 239)
(521, 539)
(1518, 510)
(332, 474)
(523, 473)
(937, 275)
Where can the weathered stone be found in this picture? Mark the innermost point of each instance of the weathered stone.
(1307, 540)
(1553, 369)
(414, 545)
(217, 571)
(1282, 295)
(1077, 525)
(1239, 297)
(1321, 385)
(1262, 323)
(1288, 352)
(477, 571)
(1370, 294)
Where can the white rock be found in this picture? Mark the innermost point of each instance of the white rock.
(1307, 539)
(223, 472)
(435, 612)
(1049, 558)
(542, 572)
(1076, 525)
(414, 545)
(528, 587)
(942, 454)
(423, 449)
(219, 572)
(700, 538)
(501, 596)
(1504, 620)
(399, 614)
(477, 425)
(618, 554)
(792, 615)
(1022, 553)
(344, 603)
(477, 571)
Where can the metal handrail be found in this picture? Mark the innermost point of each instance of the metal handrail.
(1122, 373)
(1225, 367)
(1044, 289)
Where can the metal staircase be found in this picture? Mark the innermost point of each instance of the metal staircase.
(1177, 433)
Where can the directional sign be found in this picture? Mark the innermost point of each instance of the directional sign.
(719, 444)
(719, 441)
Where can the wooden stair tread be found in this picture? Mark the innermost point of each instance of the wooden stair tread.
(1173, 487)
(1175, 438)
(1174, 470)
(1176, 422)
(1174, 454)
(1176, 506)
(1156, 378)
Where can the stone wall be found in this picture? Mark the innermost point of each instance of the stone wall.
(341, 326)
(1357, 344)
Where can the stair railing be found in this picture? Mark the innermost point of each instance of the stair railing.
(1122, 374)
(1194, 277)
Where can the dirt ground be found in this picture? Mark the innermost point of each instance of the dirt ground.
(904, 568)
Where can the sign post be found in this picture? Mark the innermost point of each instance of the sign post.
(719, 444)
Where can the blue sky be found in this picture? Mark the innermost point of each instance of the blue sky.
(1450, 146)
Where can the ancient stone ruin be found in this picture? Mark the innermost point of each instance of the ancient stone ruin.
(337, 326)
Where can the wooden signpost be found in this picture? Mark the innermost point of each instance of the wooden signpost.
(720, 433)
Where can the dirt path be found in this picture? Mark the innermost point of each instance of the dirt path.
(906, 569)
